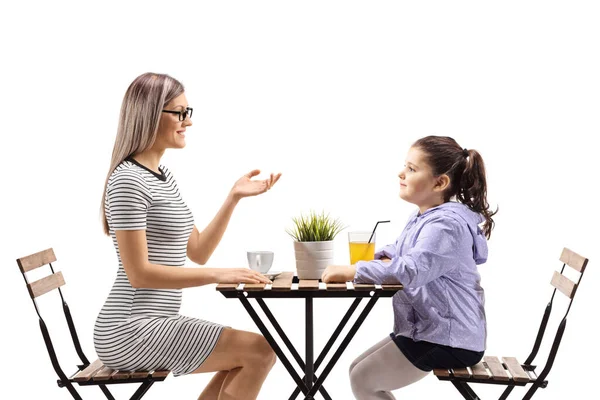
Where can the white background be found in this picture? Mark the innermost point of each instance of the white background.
(331, 94)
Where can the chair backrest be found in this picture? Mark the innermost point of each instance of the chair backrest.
(42, 286)
(561, 282)
(567, 287)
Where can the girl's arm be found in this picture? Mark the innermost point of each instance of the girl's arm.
(387, 251)
(436, 252)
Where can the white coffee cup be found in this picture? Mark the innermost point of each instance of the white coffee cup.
(260, 261)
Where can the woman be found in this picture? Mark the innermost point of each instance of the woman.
(139, 326)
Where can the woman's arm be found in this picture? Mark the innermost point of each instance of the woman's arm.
(143, 274)
(201, 245)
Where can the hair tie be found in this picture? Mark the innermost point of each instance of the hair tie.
(465, 153)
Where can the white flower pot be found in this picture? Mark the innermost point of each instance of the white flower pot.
(312, 258)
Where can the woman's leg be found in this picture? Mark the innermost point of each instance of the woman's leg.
(212, 390)
(383, 370)
(247, 358)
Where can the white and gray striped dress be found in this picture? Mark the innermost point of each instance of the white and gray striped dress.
(141, 329)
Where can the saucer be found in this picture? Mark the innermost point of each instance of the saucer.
(272, 274)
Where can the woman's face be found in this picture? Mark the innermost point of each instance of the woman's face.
(171, 131)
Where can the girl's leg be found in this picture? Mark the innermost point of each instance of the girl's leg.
(368, 352)
(247, 358)
(384, 370)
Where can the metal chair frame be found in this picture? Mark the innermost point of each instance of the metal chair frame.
(462, 384)
(63, 379)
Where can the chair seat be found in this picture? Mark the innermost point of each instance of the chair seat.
(491, 370)
(98, 374)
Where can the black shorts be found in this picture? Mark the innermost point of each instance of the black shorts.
(427, 356)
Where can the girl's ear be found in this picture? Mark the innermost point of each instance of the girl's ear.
(441, 183)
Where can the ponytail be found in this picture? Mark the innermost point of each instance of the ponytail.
(472, 190)
(466, 171)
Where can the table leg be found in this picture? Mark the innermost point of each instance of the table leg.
(330, 343)
(309, 370)
(273, 343)
(317, 386)
(337, 332)
(344, 344)
(292, 350)
(281, 333)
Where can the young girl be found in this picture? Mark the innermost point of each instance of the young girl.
(439, 316)
(153, 231)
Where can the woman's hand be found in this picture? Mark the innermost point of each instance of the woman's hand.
(386, 259)
(241, 275)
(338, 273)
(246, 187)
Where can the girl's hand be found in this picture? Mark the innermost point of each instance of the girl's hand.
(241, 275)
(384, 258)
(338, 273)
(245, 186)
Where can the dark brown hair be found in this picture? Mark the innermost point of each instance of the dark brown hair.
(466, 171)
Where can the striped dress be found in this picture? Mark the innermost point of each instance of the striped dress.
(141, 329)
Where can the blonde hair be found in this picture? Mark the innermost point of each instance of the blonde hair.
(140, 115)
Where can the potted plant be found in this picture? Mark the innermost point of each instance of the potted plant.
(313, 243)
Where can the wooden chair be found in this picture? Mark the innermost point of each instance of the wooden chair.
(510, 372)
(94, 373)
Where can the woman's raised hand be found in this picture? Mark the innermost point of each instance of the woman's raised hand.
(246, 187)
(241, 275)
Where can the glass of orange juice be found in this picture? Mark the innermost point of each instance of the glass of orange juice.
(360, 247)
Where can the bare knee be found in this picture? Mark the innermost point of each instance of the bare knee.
(270, 359)
(266, 353)
(260, 354)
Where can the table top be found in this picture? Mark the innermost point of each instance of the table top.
(289, 286)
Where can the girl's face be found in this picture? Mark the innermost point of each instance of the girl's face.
(417, 183)
(171, 131)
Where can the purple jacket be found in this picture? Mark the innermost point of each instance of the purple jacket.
(436, 259)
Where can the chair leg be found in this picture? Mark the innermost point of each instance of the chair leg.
(465, 390)
(106, 392)
(471, 392)
(71, 390)
(141, 390)
(536, 385)
(506, 393)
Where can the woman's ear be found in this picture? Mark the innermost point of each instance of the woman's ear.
(441, 183)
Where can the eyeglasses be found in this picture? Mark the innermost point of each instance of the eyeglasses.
(183, 115)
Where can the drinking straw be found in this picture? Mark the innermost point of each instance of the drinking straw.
(378, 222)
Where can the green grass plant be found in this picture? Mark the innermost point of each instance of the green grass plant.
(315, 227)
